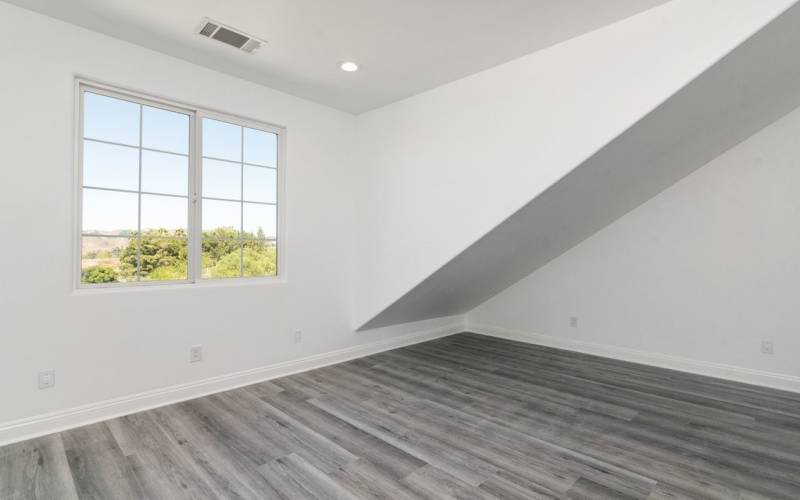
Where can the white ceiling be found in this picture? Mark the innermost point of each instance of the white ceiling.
(403, 46)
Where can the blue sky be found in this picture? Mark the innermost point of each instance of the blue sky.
(116, 166)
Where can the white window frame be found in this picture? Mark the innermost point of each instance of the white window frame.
(195, 188)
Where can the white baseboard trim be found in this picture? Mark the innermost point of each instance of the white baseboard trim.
(40, 425)
(717, 370)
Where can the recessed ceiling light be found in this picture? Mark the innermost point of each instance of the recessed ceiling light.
(349, 66)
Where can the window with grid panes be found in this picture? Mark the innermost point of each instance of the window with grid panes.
(172, 194)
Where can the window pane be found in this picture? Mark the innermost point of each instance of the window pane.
(165, 212)
(165, 130)
(260, 184)
(165, 173)
(222, 218)
(259, 221)
(222, 140)
(109, 212)
(110, 119)
(109, 166)
(221, 258)
(107, 259)
(163, 258)
(260, 148)
(222, 179)
(260, 259)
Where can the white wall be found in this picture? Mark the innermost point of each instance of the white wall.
(697, 276)
(112, 344)
(697, 124)
(440, 169)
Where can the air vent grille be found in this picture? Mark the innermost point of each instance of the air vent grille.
(208, 29)
(229, 36)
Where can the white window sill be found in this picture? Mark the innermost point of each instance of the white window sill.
(182, 285)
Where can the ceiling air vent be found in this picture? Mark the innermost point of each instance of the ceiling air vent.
(230, 36)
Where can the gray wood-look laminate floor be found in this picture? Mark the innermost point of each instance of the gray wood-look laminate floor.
(465, 416)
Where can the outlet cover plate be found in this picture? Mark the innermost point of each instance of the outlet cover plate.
(47, 379)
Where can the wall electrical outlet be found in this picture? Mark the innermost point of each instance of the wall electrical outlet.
(298, 336)
(767, 347)
(195, 354)
(573, 321)
(47, 379)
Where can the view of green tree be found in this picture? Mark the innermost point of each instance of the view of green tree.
(100, 274)
(222, 257)
(162, 255)
(255, 260)
(259, 261)
(229, 266)
(219, 242)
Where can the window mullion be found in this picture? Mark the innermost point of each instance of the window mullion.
(241, 205)
(195, 230)
(139, 195)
